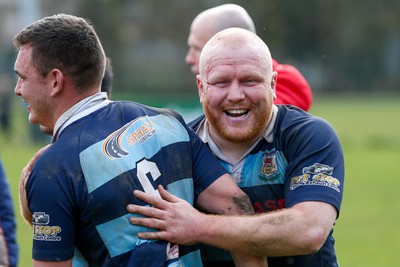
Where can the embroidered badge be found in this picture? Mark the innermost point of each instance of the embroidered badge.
(317, 174)
(269, 168)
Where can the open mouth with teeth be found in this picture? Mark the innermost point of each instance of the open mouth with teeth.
(236, 112)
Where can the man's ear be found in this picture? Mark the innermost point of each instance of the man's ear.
(200, 87)
(274, 80)
(57, 81)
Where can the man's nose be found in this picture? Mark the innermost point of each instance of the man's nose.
(236, 92)
(17, 89)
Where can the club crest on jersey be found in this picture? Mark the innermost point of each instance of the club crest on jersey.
(136, 131)
(269, 168)
(42, 230)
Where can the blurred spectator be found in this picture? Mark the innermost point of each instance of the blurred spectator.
(6, 89)
(8, 244)
(292, 88)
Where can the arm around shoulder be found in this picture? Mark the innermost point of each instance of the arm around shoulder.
(301, 229)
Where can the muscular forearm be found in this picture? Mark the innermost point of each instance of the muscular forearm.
(220, 198)
(285, 232)
(301, 229)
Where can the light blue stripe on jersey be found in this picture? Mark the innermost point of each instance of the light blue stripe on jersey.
(161, 130)
(190, 259)
(252, 169)
(250, 174)
(119, 236)
(78, 260)
(183, 189)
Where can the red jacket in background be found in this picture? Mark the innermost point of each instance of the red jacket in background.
(292, 88)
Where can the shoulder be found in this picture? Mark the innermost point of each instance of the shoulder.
(194, 124)
(134, 109)
(293, 121)
(58, 160)
(292, 114)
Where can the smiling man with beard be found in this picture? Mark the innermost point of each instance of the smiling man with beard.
(289, 162)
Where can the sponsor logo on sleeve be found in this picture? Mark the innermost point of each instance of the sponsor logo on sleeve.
(42, 230)
(317, 174)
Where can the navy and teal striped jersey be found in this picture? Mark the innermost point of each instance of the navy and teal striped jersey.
(298, 159)
(80, 186)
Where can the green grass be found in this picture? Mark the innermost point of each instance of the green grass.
(366, 232)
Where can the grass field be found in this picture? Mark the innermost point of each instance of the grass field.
(367, 231)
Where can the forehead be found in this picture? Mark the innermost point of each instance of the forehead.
(24, 59)
(200, 33)
(243, 62)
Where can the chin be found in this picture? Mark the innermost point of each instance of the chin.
(32, 119)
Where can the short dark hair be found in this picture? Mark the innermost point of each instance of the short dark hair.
(68, 43)
(106, 84)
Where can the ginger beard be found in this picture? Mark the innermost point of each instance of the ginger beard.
(251, 128)
(236, 86)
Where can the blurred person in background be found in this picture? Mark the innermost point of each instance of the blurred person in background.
(8, 243)
(75, 191)
(289, 162)
(5, 103)
(291, 88)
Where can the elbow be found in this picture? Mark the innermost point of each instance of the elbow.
(314, 240)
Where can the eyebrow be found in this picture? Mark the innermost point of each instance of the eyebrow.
(19, 74)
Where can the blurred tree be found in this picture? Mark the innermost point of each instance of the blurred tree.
(341, 45)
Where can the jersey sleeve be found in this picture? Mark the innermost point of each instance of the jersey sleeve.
(291, 87)
(50, 195)
(206, 167)
(315, 170)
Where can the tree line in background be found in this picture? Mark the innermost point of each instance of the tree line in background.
(339, 46)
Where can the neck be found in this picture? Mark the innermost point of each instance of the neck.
(234, 151)
(68, 99)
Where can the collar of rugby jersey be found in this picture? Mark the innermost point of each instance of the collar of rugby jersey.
(79, 110)
(203, 133)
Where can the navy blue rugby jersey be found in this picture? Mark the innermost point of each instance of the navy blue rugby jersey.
(304, 162)
(8, 246)
(79, 188)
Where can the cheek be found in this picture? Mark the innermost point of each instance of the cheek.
(196, 57)
(261, 96)
(214, 98)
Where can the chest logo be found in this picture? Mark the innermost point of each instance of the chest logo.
(269, 168)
